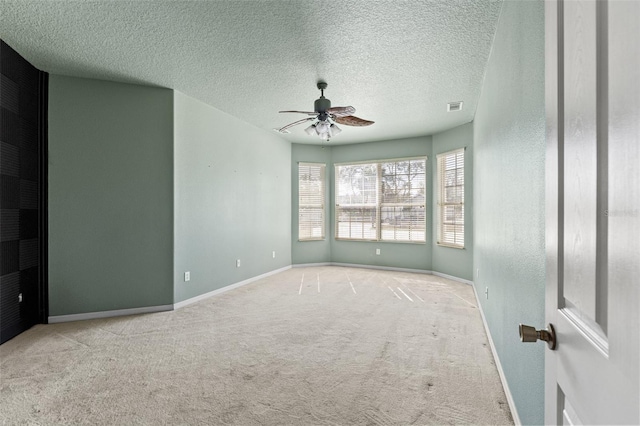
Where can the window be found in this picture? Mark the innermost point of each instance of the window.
(381, 201)
(311, 177)
(451, 199)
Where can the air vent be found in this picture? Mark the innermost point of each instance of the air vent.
(454, 106)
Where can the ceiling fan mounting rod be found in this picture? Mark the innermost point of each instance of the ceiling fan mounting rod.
(322, 85)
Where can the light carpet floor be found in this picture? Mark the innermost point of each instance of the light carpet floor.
(318, 345)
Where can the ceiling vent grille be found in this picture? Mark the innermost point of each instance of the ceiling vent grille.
(454, 106)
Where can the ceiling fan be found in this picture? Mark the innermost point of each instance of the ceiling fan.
(324, 117)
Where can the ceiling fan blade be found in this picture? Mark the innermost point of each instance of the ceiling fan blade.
(341, 111)
(351, 120)
(303, 112)
(295, 123)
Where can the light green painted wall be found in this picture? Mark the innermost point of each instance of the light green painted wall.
(232, 199)
(309, 251)
(447, 260)
(110, 196)
(509, 146)
(400, 255)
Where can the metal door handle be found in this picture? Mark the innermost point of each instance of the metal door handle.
(530, 334)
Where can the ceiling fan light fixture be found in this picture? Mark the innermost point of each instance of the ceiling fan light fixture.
(310, 130)
(334, 129)
(322, 127)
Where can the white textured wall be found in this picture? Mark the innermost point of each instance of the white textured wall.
(509, 146)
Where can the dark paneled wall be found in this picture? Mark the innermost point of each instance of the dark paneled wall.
(23, 299)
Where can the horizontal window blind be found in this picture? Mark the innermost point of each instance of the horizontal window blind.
(311, 207)
(381, 201)
(450, 172)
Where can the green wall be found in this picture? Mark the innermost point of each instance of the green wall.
(509, 146)
(448, 260)
(303, 252)
(232, 199)
(110, 196)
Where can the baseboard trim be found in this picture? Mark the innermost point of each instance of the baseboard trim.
(310, 265)
(162, 308)
(384, 268)
(451, 277)
(227, 288)
(108, 314)
(496, 358)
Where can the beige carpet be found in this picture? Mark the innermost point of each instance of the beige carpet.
(321, 345)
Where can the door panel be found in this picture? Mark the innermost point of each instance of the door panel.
(593, 211)
(580, 146)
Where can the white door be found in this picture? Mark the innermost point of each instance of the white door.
(593, 211)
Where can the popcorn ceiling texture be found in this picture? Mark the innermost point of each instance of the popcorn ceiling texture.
(274, 352)
(397, 62)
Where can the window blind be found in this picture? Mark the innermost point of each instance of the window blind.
(311, 207)
(381, 201)
(451, 198)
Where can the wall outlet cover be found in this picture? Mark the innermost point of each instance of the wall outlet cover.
(237, 263)
(187, 276)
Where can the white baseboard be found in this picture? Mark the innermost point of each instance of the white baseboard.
(496, 358)
(162, 308)
(384, 268)
(451, 277)
(108, 314)
(227, 288)
(309, 265)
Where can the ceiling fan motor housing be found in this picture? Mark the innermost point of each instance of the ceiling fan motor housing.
(322, 104)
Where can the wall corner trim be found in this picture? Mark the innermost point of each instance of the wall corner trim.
(503, 379)
(108, 314)
(227, 288)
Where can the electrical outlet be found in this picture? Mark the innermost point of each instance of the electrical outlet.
(237, 263)
(273, 254)
(187, 276)
(378, 252)
(20, 298)
(486, 292)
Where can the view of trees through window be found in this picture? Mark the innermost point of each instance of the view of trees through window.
(382, 201)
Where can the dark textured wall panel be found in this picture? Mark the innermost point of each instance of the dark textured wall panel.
(22, 218)
(10, 220)
(10, 192)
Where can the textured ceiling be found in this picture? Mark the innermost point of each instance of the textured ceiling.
(397, 62)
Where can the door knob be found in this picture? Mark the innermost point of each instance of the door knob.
(530, 334)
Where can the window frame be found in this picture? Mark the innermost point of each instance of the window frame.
(442, 204)
(321, 205)
(379, 204)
